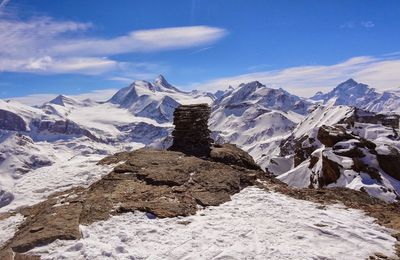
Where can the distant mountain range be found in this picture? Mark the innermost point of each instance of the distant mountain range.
(280, 130)
(352, 93)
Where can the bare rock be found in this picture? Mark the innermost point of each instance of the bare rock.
(330, 135)
(330, 172)
(390, 163)
(231, 154)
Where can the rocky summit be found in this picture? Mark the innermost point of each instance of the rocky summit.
(161, 183)
(191, 134)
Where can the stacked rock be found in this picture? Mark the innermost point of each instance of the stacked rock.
(191, 134)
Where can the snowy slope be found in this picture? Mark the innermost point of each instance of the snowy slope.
(255, 225)
(356, 94)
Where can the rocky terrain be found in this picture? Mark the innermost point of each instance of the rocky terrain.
(161, 183)
(345, 151)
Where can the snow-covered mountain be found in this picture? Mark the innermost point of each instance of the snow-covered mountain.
(356, 94)
(65, 135)
(256, 118)
(156, 100)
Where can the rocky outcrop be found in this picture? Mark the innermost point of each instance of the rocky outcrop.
(66, 127)
(163, 183)
(364, 116)
(390, 162)
(330, 135)
(11, 121)
(231, 154)
(330, 172)
(191, 134)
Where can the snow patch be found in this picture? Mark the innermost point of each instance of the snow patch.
(255, 225)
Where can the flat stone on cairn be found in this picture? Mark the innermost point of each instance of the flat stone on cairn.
(191, 134)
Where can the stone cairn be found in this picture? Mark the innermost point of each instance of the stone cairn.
(191, 134)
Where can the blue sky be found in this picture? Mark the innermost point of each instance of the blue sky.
(76, 46)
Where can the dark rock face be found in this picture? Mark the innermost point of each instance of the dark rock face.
(330, 172)
(11, 121)
(364, 116)
(5, 198)
(191, 134)
(66, 127)
(330, 135)
(390, 163)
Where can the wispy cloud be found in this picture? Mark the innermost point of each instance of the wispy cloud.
(367, 24)
(143, 41)
(44, 45)
(379, 72)
(353, 25)
(3, 4)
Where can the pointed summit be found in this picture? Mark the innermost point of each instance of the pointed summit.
(348, 84)
(62, 100)
(161, 82)
(160, 79)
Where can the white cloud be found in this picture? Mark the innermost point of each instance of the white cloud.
(143, 41)
(43, 45)
(380, 73)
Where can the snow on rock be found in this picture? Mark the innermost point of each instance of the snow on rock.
(255, 225)
(8, 227)
(340, 146)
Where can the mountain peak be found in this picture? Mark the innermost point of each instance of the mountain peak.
(63, 100)
(161, 80)
(347, 84)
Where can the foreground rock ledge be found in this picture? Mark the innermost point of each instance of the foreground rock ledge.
(162, 183)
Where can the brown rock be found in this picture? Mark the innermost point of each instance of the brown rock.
(330, 172)
(231, 154)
